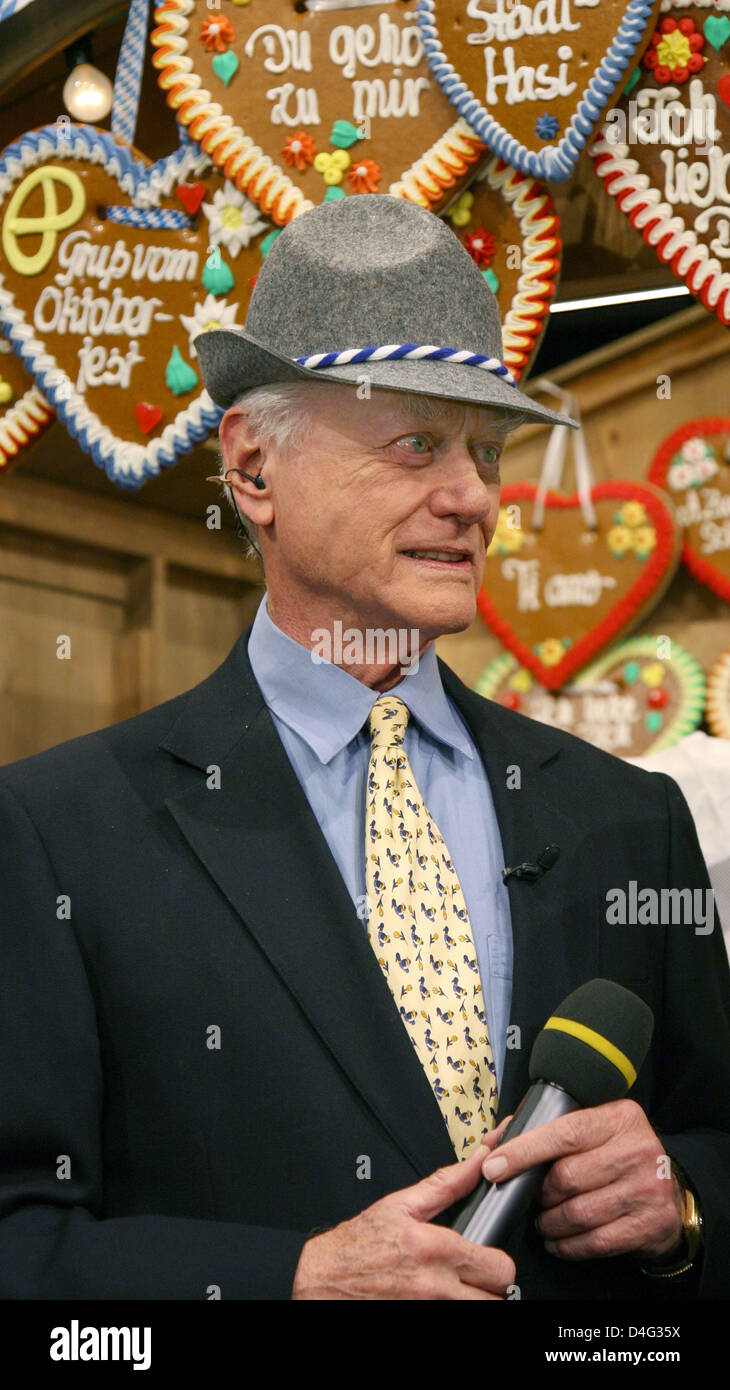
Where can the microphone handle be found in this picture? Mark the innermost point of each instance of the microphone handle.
(494, 1209)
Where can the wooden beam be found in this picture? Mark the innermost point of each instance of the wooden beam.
(36, 33)
(69, 514)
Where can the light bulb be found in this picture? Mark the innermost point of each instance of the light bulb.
(87, 93)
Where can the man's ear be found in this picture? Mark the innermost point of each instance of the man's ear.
(241, 450)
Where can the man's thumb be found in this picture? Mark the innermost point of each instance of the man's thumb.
(436, 1192)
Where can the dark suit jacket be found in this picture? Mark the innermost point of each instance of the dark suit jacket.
(144, 906)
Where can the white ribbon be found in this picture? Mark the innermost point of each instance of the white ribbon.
(554, 459)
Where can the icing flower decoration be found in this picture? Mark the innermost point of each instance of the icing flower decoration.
(364, 176)
(481, 246)
(459, 213)
(233, 219)
(619, 540)
(547, 126)
(632, 514)
(207, 317)
(644, 541)
(631, 531)
(674, 53)
(332, 166)
(216, 34)
(692, 466)
(299, 151)
(507, 538)
(551, 651)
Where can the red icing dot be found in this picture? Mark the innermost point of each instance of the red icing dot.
(668, 26)
(657, 699)
(650, 60)
(695, 63)
(510, 701)
(696, 42)
(686, 26)
(662, 74)
(680, 74)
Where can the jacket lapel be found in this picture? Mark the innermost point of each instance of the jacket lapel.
(260, 841)
(525, 767)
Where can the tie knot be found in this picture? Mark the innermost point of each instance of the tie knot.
(387, 721)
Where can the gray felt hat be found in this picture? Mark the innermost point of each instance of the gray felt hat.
(382, 284)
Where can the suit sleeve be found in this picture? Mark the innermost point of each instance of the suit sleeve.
(694, 1049)
(54, 1240)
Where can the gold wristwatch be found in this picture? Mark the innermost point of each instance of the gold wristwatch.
(691, 1232)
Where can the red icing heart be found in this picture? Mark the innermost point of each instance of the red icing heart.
(191, 196)
(148, 416)
(703, 502)
(723, 89)
(570, 634)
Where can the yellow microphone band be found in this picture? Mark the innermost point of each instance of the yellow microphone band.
(599, 1044)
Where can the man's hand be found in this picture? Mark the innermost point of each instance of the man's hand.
(605, 1193)
(390, 1251)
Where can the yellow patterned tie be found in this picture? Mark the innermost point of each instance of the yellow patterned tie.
(419, 929)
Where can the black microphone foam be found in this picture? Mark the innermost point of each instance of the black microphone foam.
(595, 1043)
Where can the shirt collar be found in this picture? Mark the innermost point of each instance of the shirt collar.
(327, 707)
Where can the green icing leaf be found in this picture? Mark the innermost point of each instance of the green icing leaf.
(179, 376)
(344, 134)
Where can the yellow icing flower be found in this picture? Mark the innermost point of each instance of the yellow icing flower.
(551, 651)
(644, 540)
(653, 675)
(460, 213)
(521, 681)
(507, 538)
(619, 539)
(332, 166)
(633, 514)
(674, 50)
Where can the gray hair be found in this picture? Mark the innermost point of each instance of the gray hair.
(281, 416)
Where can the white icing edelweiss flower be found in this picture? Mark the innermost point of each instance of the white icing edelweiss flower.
(705, 468)
(233, 219)
(694, 449)
(208, 316)
(680, 476)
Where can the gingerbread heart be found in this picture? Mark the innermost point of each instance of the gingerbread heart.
(534, 79)
(718, 697)
(664, 151)
(298, 106)
(102, 307)
(557, 597)
(631, 701)
(693, 465)
(508, 225)
(24, 412)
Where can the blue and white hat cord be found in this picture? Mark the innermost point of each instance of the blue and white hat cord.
(412, 352)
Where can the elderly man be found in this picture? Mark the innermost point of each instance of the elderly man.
(261, 1048)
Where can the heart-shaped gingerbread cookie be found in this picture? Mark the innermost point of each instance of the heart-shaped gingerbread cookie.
(533, 79)
(297, 104)
(693, 465)
(634, 700)
(557, 597)
(102, 307)
(24, 412)
(507, 223)
(664, 151)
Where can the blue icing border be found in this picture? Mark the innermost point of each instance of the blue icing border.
(99, 147)
(556, 162)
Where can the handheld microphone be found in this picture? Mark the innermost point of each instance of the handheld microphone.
(589, 1052)
(530, 872)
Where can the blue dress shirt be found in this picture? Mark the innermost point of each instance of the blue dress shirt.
(319, 711)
